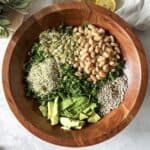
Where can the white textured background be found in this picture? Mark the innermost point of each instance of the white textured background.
(13, 136)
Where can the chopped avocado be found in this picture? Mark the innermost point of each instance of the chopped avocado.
(73, 111)
(79, 100)
(67, 122)
(55, 113)
(71, 123)
(43, 110)
(83, 116)
(50, 106)
(94, 118)
(82, 123)
(90, 112)
(90, 107)
(66, 113)
(65, 103)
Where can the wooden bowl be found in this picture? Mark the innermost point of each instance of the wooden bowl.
(74, 13)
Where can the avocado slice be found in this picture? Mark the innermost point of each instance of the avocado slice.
(55, 113)
(92, 106)
(89, 113)
(67, 122)
(73, 111)
(71, 123)
(43, 110)
(83, 116)
(50, 106)
(65, 103)
(94, 118)
(79, 100)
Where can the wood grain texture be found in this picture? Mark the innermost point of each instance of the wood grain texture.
(74, 13)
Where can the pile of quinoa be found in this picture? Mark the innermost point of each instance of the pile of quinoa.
(112, 94)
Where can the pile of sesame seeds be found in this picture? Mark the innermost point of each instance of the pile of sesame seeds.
(112, 94)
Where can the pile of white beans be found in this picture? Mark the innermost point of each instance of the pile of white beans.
(98, 52)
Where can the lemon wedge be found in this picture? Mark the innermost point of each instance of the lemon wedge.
(108, 4)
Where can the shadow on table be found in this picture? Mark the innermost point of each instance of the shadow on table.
(2, 148)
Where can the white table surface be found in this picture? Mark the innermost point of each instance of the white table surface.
(13, 136)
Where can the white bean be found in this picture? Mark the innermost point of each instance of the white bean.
(90, 26)
(83, 56)
(90, 41)
(106, 68)
(92, 54)
(82, 52)
(114, 44)
(86, 46)
(79, 68)
(100, 58)
(93, 78)
(100, 64)
(118, 56)
(78, 74)
(106, 55)
(80, 30)
(79, 40)
(88, 58)
(75, 65)
(93, 61)
(109, 50)
(75, 29)
(82, 64)
(97, 69)
(88, 64)
(94, 71)
(102, 74)
(97, 38)
(76, 58)
(117, 50)
(91, 49)
(103, 46)
(101, 31)
(100, 44)
(82, 44)
(97, 50)
(78, 34)
(112, 63)
(107, 39)
(98, 77)
(87, 70)
(112, 39)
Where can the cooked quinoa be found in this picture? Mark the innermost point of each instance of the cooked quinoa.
(112, 94)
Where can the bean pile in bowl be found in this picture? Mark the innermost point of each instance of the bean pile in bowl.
(76, 74)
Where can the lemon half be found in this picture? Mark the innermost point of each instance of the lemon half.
(108, 4)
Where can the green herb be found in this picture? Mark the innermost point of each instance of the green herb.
(64, 29)
(36, 56)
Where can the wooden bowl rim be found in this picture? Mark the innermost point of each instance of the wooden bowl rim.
(6, 85)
